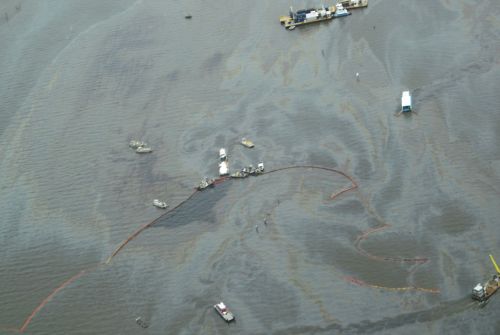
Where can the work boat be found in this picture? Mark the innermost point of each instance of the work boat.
(205, 182)
(224, 312)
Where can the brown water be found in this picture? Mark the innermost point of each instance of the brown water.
(82, 78)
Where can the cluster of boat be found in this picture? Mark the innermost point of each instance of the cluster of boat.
(140, 147)
(243, 173)
(249, 171)
(224, 167)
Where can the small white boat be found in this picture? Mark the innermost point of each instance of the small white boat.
(224, 312)
(160, 204)
(222, 154)
(223, 168)
(143, 150)
(406, 102)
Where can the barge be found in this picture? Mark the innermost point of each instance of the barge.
(311, 15)
(305, 16)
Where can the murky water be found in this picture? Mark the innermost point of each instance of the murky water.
(80, 79)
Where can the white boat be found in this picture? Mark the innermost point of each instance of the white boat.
(159, 204)
(224, 312)
(143, 150)
(223, 168)
(222, 154)
(406, 102)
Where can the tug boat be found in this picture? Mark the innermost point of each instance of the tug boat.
(223, 311)
(247, 143)
(340, 11)
(160, 204)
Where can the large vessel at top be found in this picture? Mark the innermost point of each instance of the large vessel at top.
(224, 312)
(305, 16)
(482, 292)
(311, 15)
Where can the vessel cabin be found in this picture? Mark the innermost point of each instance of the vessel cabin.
(222, 154)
